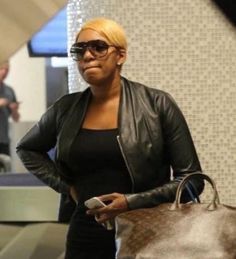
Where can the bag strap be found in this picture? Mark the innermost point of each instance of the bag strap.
(191, 189)
(215, 199)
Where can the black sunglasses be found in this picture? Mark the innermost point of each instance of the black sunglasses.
(98, 48)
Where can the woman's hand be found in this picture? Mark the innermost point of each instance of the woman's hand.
(117, 205)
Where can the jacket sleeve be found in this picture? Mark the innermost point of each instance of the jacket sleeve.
(33, 147)
(180, 154)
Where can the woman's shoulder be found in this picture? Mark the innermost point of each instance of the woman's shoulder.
(143, 89)
(69, 99)
(63, 104)
(152, 97)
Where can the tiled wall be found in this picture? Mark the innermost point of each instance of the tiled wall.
(187, 48)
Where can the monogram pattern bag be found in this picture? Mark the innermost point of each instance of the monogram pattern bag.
(178, 231)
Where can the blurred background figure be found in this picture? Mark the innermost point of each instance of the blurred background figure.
(9, 107)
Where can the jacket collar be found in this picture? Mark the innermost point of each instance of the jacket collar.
(75, 117)
(72, 124)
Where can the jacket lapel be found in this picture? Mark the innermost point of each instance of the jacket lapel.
(72, 125)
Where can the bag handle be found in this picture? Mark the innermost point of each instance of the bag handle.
(215, 199)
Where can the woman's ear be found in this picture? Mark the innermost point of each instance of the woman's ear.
(122, 57)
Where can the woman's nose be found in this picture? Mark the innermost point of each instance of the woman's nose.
(88, 54)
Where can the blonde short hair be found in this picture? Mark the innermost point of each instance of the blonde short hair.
(108, 29)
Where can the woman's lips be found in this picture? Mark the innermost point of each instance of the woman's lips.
(90, 67)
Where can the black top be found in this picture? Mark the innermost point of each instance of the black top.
(98, 168)
(97, 164)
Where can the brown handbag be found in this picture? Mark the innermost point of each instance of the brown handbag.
(178, 231)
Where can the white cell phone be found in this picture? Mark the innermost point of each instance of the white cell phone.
(96, 203)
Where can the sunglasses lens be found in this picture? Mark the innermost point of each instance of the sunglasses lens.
(77, 52)
(98, 49)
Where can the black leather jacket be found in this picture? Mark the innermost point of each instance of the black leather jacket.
(153, 137)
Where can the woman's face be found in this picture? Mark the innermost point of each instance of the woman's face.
(96, 70)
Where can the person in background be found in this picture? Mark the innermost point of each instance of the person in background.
(117, 140)
(9, 107)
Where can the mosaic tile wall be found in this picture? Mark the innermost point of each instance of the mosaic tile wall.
(187, 48)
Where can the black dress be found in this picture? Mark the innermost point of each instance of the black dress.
(98, 168)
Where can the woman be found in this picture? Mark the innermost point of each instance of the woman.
(117, 140)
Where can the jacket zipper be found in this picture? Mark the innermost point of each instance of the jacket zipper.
(126, 162)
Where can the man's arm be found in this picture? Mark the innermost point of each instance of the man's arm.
(14, 107)
(4, 102)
